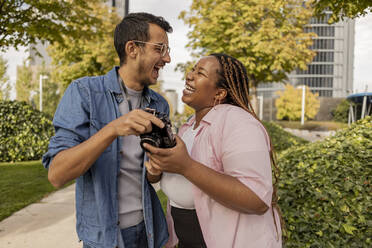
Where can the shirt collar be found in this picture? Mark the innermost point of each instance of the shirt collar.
(111, 80)
(208, 118)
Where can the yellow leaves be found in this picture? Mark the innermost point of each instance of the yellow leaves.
(270, 31)
(289, 103)
(93, 55)
(345, 209)
(348, 228)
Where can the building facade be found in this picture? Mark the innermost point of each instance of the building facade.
(331, 72)
(122, 6)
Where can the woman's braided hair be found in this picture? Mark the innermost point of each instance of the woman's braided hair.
(234, 79)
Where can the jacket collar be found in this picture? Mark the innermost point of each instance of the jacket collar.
(111, 81)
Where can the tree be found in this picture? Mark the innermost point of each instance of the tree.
(4, 80)
(266, 36)
(180, 118)
(341, 112)
(289, 104)
(27, 88)
(51, 92)
(341, 9)
(93, 55)
(23, 22)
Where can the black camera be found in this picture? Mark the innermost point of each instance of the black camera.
(159, 137)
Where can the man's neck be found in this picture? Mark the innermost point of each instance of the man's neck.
(128, 78)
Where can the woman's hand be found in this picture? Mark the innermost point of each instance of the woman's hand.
(174, 160)
(225, 189)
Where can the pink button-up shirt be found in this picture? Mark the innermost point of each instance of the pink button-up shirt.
(233, 142)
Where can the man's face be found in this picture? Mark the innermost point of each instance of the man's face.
(150, 59)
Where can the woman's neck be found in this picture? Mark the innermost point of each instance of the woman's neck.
(199, 114)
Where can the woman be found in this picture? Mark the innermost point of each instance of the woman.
(229, 164)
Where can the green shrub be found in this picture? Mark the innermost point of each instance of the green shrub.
(280, 138)
(24, 132)
(325, 190)
(341, 112)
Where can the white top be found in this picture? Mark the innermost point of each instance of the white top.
(177, 188)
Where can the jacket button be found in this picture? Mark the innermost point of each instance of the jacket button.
(118, 223)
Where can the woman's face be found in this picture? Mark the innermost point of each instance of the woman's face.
(200, 88)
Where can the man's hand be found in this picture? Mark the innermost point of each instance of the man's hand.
(151, 169)
(135, 122)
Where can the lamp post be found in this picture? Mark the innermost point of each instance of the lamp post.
(302, 104)
(41, 90)
(260, 99)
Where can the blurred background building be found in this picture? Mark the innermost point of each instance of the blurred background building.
(331, 72)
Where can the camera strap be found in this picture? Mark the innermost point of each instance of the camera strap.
(125, 94)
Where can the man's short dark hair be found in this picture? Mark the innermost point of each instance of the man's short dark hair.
(135, 26)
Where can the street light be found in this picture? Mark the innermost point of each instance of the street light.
(302, 104)
(260, 111)
(41, 90)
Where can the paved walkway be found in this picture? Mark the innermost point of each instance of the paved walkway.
(49, 223)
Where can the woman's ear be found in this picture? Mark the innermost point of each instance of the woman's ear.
(221, 94)
(131, 49)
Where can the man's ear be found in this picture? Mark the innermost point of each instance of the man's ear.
(131, 49)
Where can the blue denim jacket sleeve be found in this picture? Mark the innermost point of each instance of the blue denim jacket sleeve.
(71, 121)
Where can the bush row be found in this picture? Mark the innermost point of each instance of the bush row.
(282, 139)
(325, 190)
(24, 132)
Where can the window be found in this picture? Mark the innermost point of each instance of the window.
(320, 20)
(324, 57)
(316, 82)
(327, 31)
(323, 44)
(317, 70)
(324, 93)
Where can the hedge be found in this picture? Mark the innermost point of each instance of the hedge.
(325, 190)
(282, 139)
(24, 132)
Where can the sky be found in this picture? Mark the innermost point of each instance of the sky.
(170, 10)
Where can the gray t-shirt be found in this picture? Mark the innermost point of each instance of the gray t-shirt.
(130, 183)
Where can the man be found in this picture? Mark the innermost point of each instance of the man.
(97, 125)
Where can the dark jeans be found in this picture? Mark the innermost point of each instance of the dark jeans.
(187, 227)
(134, 236)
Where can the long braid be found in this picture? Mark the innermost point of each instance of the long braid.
(234, 79)
(233, 87)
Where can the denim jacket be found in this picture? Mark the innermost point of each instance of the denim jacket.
(89, 104)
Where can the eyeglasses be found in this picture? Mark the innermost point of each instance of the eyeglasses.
(164, 48)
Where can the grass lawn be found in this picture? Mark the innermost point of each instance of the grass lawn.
(163, 200)
(312, 125)
(21, 184)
